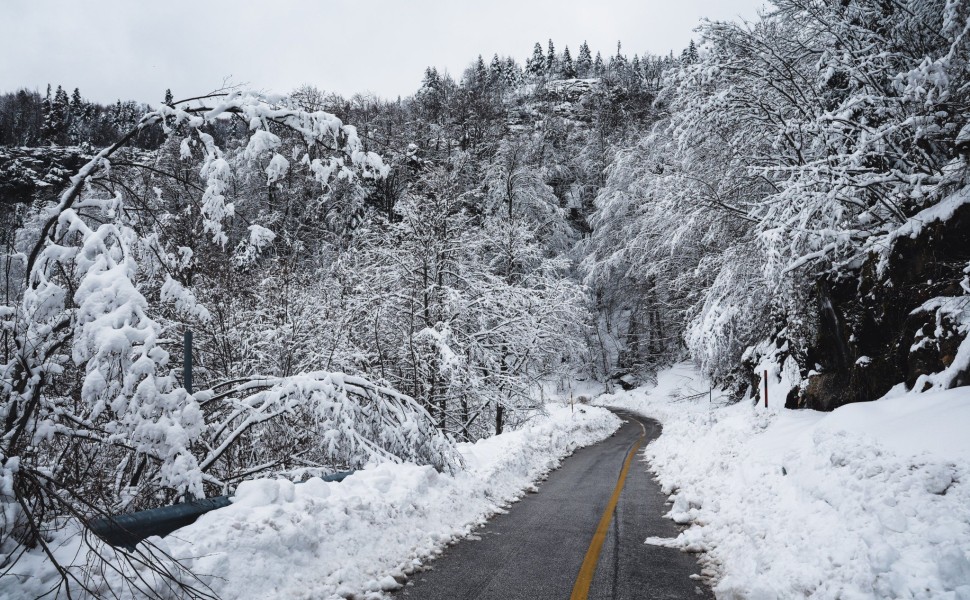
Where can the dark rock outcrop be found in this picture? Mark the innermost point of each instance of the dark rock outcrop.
(29, 174)
(871, 331)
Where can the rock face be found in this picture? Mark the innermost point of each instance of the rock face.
(27, 173)
(875, 331)
(569, 97)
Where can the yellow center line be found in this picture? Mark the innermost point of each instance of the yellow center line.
(585, 577)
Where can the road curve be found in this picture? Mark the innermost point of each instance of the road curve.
(537, 549)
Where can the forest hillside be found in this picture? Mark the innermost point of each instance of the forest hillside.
(786, 202)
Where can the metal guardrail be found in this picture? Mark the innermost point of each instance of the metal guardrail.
(127, 530)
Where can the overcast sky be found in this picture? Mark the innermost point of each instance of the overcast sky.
(114, 49)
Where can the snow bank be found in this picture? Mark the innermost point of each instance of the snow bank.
(869, 501)
(369, 532)
(363, 536)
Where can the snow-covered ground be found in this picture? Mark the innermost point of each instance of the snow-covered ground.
(358, 538)
(869, 501)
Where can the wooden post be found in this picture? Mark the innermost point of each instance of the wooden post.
(187, 378)
(766, 388)
(187, 361)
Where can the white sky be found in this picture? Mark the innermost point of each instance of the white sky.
(114, 49)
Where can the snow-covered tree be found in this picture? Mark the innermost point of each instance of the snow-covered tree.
(584, 61)
(598, 67)
(495, 69)
(689, 54)
(551, 60)
(88, 384)
(481, 72)
(432, 93)
(636, 72)
(568, 69)
(512, 73)
(535, 67)
(618, 63)
(794, 150)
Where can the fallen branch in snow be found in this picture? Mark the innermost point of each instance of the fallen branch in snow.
(357, 420)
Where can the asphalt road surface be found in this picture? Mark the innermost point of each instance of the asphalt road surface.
(547, 546)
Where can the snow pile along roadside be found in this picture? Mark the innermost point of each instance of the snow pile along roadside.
(359, 538)
(369, 532)
(869, 501)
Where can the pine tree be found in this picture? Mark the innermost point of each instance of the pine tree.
(568, 70)
(169, 99)
(511, 73)
(618, 64)
(690, 55)
(584, 60)
(431, 81)
(598, 67)
(77, 103)
(116, 112)
(636, 72)
(24, 124)
(481, 73)
(551, 58)
(59, 112)
(431, 95)
(47, 130)
(76, 118)
(495, 69)
(536, 66)
(124, 115)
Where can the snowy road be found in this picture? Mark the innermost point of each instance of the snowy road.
(536, 550)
